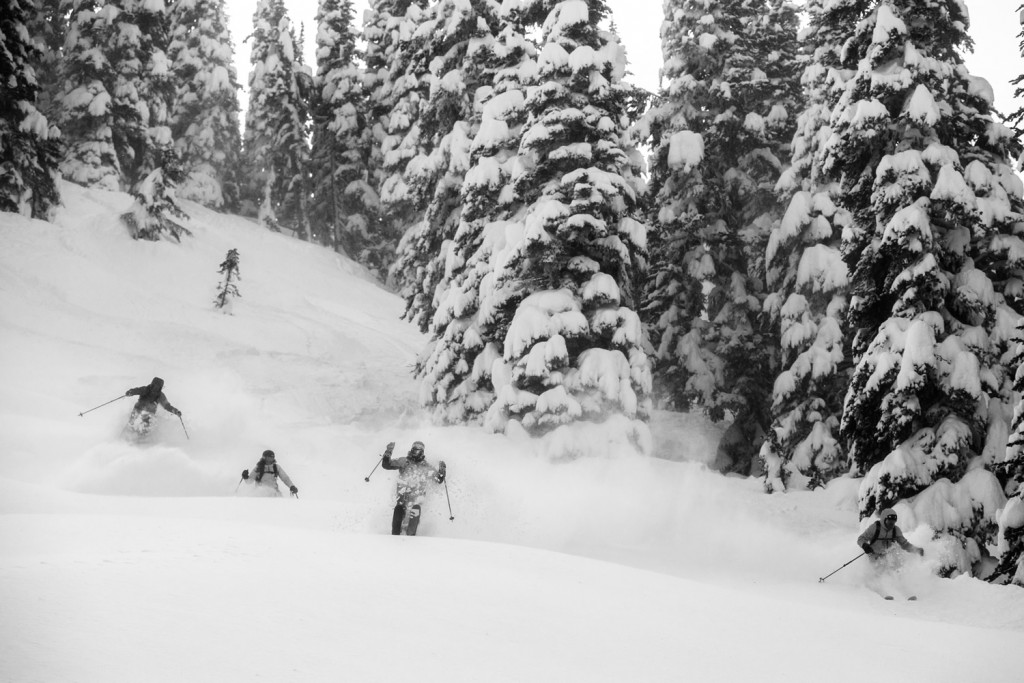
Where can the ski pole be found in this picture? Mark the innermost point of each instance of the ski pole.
(822, 579)
(183, 426)
(101, 405)
(367, 478)
(239, 484)
(451, 517)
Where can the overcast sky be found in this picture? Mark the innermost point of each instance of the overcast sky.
(994, 27)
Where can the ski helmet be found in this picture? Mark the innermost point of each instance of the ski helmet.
(268, 454)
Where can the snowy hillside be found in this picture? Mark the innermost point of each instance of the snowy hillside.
(124, 562)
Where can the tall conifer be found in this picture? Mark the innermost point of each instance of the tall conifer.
(721, 134)
(935, 255)
(346, 207)
(472, 309)
(204, 119)
(809, 282)
(573, 367)
(86, 103)
(29, 144)
(276, 123)
(396, 83)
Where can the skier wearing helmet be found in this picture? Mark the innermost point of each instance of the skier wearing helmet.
(266, 473)
(414, 473)
(881, 537)
(140, 421)
(879, 541)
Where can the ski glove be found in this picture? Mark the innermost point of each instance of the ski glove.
(441, 467)
(867, 549)
(390, 447)
(920, 551)
(294, 489)
(245, 474)
(177, 412)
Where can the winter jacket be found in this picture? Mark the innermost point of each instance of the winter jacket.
(267, 475)
(882, 540)
(413, 476)
(149, 396)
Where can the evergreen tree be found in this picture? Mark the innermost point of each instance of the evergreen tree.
(145, 92)
(155, 211)
(935, 255)
(345, 209)
(115, 109)
(1010, 536)
(455, 39)
(397, 81)
(1011, 470)
(228, 289)
(141, 88)
(721, 133)
(468, 328)
(1016, 118)
(574, 370)
(86, 104)
(276, 122)
(204, 120)
(809, 283)
(48, 26)
(29, 144)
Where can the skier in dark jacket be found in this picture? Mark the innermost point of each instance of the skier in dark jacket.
(266, 473)
(149, 396)
(414, 473)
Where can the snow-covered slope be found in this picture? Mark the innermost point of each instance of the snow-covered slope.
(139, 563)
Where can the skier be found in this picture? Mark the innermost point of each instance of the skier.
(141, 418)
(879, 541)
(414, 473)
(265, 475)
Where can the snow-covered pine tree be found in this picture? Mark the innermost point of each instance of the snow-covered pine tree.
(721, 134)
(573, 369)
(155, 212)
(140, 83)
(115, 105)
(48, 26)
(1010, 537)
(275, 142)
(29, 144)
(333, 103)
(1016, 118)
(1011, 470)
(144, 93)
(398, 83)
(204, 121)
(86, 104)
(935, 253)
(227, 291)
(465, 339)
(454, 38)
(345, 208)
(808, 282)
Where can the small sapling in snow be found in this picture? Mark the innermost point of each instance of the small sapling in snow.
(228, 289)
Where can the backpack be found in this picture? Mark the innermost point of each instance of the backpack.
(878, 531)
(261, 470)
